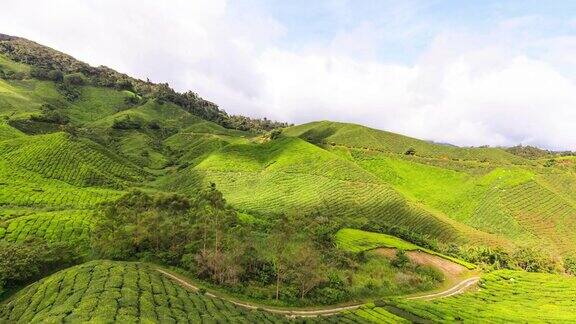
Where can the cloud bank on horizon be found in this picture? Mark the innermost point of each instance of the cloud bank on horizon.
(467, 73)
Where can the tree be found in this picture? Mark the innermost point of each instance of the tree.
(140, 225)
(216, 259)
(410, 151)
(280, 250)
(306, 268)
(23, 262)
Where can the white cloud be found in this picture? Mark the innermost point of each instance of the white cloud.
(499, 87)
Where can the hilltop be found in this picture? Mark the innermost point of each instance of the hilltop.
(97, 165)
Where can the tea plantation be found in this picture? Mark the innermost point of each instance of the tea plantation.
(107, 291)
(96, 165)
(503, 297)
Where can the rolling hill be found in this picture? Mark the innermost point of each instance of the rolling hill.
(74, 139)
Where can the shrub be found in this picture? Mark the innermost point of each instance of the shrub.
(46, 74)
(51, 115)
(77, 79)
(69, 91)
(127, 122)
(401, 260)
(124, 84)
(410, 151)
(550, 163)
(570, 265)
(274, 134)
(23, 262)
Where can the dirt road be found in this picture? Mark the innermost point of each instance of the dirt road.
(454, 290)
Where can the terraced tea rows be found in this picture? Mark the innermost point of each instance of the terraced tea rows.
(106, 291)
(292, 175)
(359, 202)
(80, 163)
(19, 187)
(504, 297)
(57, 226)
(544, 214)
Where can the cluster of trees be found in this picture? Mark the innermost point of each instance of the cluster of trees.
(51, 114)
(24, 262)
(532, 152)
(203, 235)
(529, 259)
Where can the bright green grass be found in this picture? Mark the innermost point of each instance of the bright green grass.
(167, 114)
(97, 103)
(475, 199)
(505, 297)
(20, 99)
(354, 240)
(8, 132)
(540, 210)
(78, 162)
(373, 314)
(106, 291)
(141, 149)
(7, 64)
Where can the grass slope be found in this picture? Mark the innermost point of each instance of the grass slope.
(105, 291)
(357, 136)
(291, 175)
(77, 162)
(354, 240)
(54, 226)
(503, 297)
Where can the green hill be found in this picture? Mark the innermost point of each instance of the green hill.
(104, 291)
(504, 297)
(107, 291)
(171, 178)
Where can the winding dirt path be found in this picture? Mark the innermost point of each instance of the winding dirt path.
(458, 288)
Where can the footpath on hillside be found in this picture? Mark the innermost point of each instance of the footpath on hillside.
(456, 287)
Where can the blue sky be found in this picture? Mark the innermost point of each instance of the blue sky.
(465, 72)
(406, 28)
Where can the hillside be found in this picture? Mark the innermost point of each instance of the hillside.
(105, 291)
(97, 165)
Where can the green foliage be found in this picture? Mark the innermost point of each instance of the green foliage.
(401, 260)
(75, 79)
(570, 265)
(139, 224)
(51, 114)
(21, 262)
(410, 151)
(46, 74)
(275, 134)
(127, 122)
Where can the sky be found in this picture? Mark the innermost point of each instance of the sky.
(470, 73)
